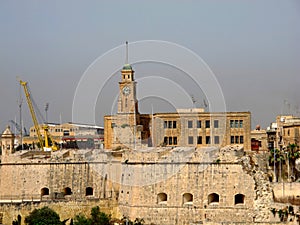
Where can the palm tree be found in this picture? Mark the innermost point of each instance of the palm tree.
(276, 158)
(293, 154)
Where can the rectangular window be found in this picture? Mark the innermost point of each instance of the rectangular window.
(231, 139)
(165, 124)
(242, 139)
(241, 123)
(169, 124)
(207, 139)
(231, 123)
(216, 123)
(237, 138)
(198, 123)
(199, 140)
(175, 140)
(170, 140)
(174, 124)
(191, 140)
(190, 124)
(207, 123)
(217, 140)
(236, 124)
(165, 140)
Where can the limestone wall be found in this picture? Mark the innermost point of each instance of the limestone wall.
(146, 175)
(161, 185)
(66, 210)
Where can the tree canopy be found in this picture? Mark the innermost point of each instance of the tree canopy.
(97, 218)
(43, 216)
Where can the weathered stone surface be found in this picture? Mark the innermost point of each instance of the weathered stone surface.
(162, 185)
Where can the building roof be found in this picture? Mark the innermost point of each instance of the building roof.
(7, 132)
(127, 67)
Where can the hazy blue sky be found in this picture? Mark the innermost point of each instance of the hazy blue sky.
(251, 46)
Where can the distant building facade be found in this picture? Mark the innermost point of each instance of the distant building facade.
(283, 132)
(259, 139)
(186, 127)
(70, 132)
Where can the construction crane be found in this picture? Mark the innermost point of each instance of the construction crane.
(18, 127)
(44, 144)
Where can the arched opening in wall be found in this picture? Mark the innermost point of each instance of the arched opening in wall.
(239, 199)
(44, 191)
(162, 198)
(67, 191)
(89, 191)
(187, 198)
(213, 198)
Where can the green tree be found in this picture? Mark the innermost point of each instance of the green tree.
(43, 216)
(277, 156)
(293, 154)
(81, 220)
(97, 218)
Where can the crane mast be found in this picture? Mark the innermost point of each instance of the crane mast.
(32, 112)
(45, 127)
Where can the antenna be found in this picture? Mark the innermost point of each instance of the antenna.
(46, 110)
(193, 100)
(205, 103)
(126, 60)
(20, 101)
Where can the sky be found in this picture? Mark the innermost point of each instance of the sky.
(251, 47)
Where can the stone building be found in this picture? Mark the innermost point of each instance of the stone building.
(284, 131)
(7, 142)
(162, 185)
(198, 171)
(259, 139)
(186, 127)
(69, 132)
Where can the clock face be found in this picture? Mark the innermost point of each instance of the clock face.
(126, 90)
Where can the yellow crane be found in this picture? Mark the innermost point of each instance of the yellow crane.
(45, 146)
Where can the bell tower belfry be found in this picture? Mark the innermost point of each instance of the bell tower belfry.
(127, 102)
(7, 142)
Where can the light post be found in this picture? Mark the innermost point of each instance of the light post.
(46, 110)
(288, 165)
(275, 179)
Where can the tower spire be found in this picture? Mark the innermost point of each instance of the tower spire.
(126, 60)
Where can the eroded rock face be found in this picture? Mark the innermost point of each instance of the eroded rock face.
(263, 188)
(287, 193)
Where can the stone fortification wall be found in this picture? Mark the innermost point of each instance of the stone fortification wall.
(65, 209)
(184, 185)
(65, 177)
(161, 185)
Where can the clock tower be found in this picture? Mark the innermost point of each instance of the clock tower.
(127, 103)
(124, 129)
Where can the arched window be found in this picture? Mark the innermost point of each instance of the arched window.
(67, 191)
(89, 191)
(239, 199)
(187, 198)
(162, 198)
(44, 191)
(213, 198)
